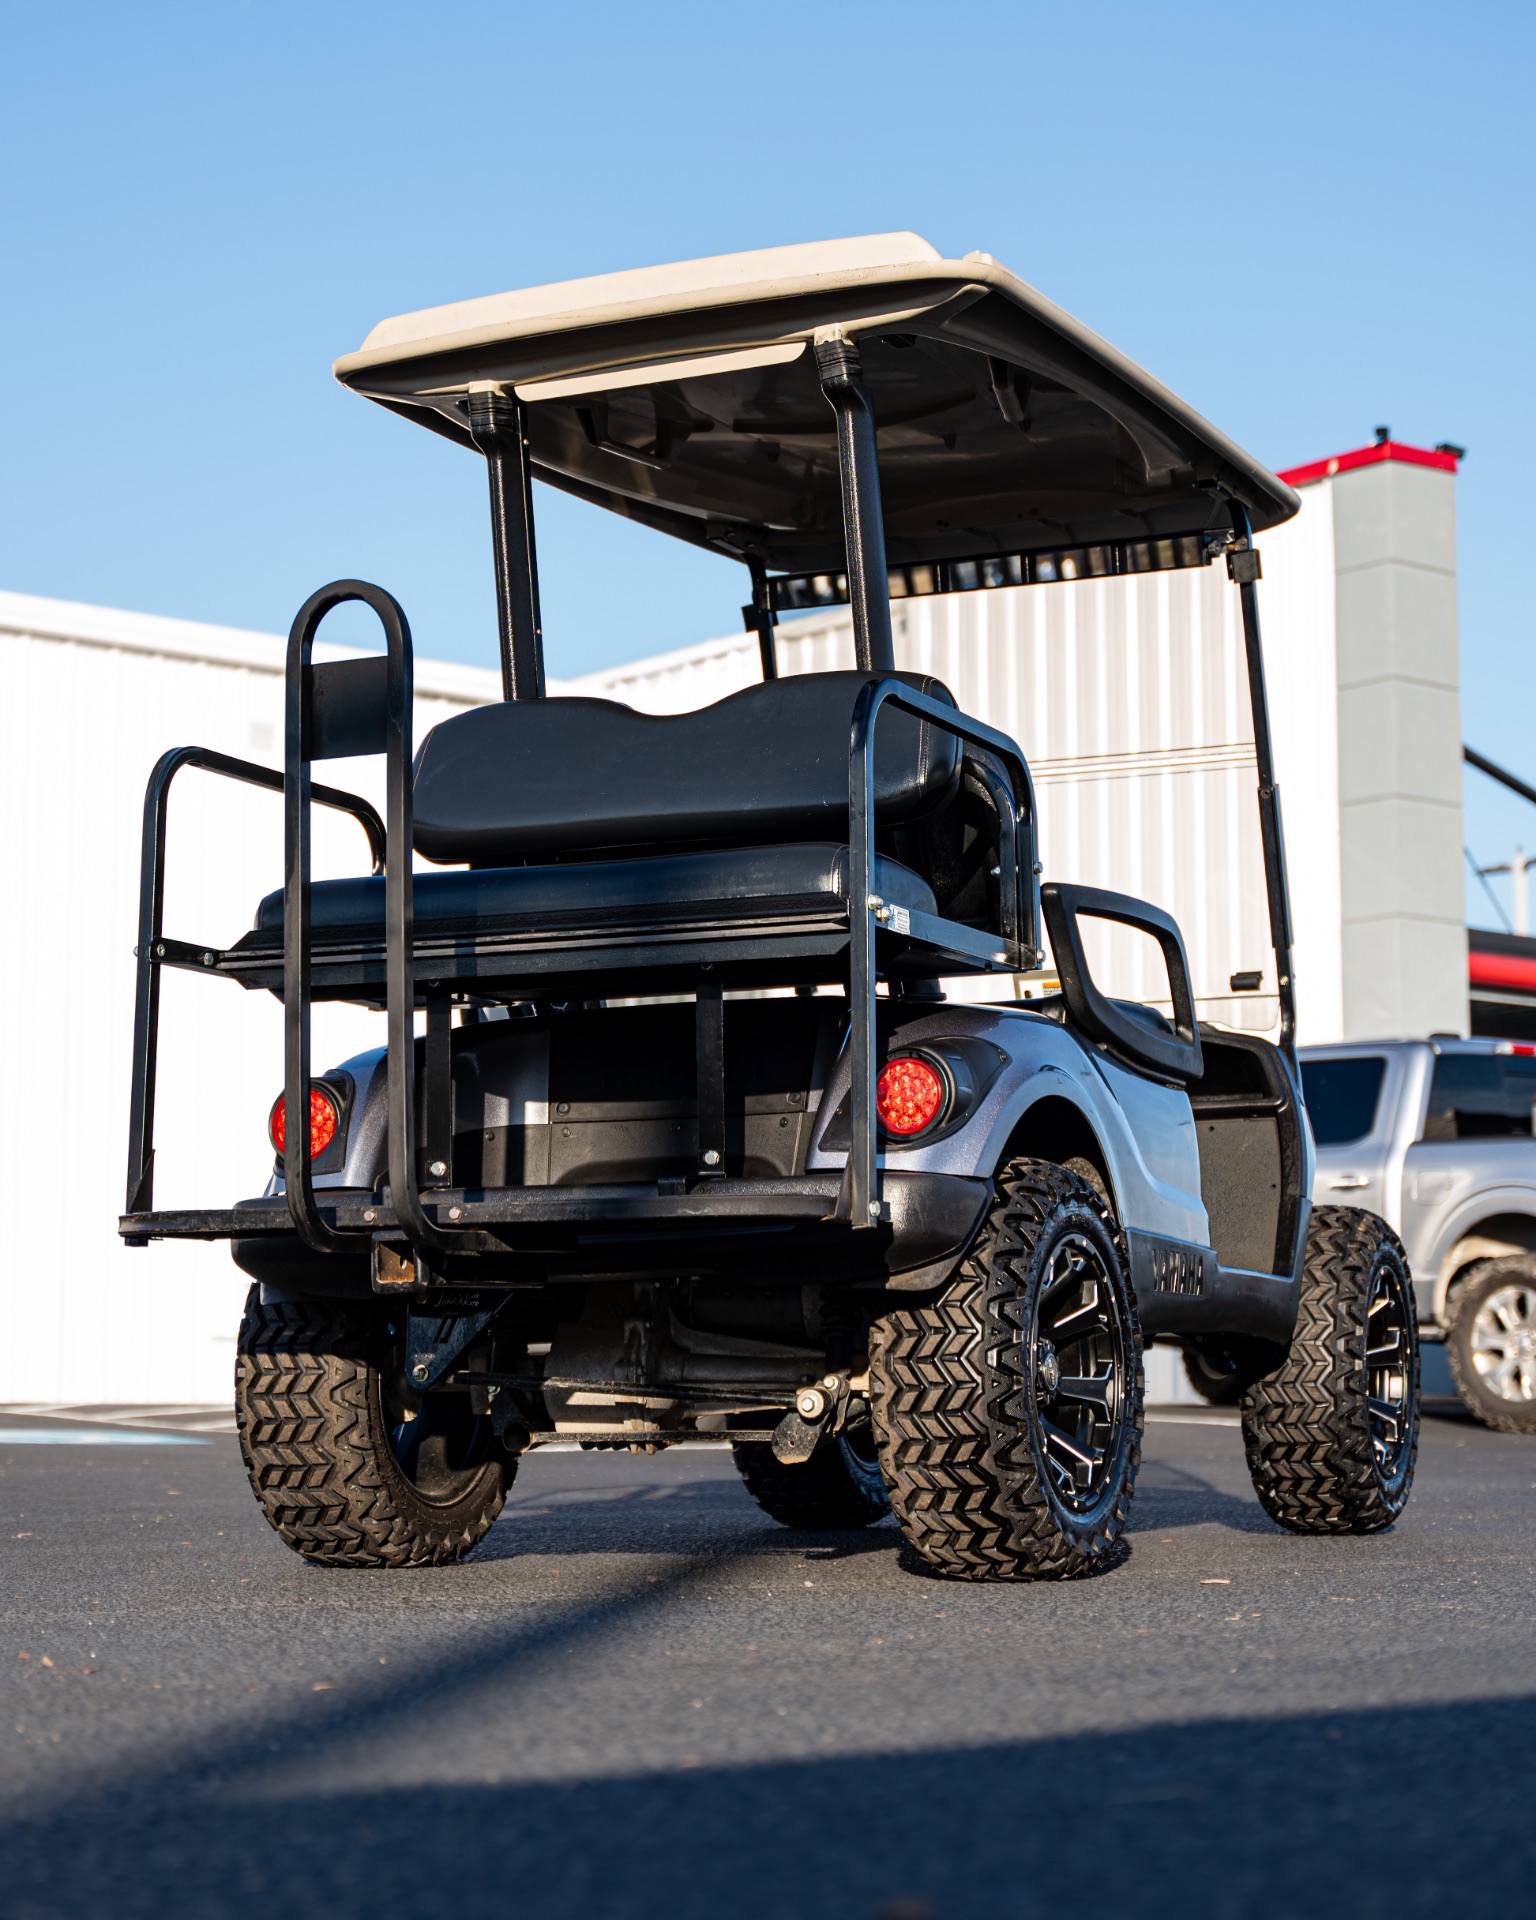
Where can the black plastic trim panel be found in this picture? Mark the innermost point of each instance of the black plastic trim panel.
(1180, 1288)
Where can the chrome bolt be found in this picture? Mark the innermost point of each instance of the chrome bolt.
(874, 901)
(437, 1168)
(874, 1209)
(811, 1404)
(455, 1213)
(420, 1370)
(711, 1158)
(830, 1383)
(369, 1215)
(207, 959)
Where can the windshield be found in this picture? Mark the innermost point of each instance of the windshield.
(1341, 1097)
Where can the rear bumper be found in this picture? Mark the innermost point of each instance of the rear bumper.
(783, 1229)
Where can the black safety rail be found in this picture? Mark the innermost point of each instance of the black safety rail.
(154, 951)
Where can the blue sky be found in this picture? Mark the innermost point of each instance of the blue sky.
(1308, 220)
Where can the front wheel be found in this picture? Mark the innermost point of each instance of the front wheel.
(1008, 1404)
(1332, 1432)
(350, 1468)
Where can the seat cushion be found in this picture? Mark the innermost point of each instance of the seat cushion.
(665, 885)
(521, 780)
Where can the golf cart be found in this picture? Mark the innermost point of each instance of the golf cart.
(676, 1136)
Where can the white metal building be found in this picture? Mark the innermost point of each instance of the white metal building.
(1127, 696)
(94, 697)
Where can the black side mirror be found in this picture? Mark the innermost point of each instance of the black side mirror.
(1176, 1055)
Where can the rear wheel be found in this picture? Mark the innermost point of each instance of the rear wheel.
(1332, 1432)
(350, 1468)
(1008, 1405)
(1220, 1370)
(837, 1489)
(1491, 1344)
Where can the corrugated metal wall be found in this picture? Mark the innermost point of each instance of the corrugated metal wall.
(81, 1317)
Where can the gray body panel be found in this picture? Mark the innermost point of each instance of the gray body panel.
(1146, 1131)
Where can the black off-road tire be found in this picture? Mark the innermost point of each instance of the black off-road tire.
(1467, 1340)
(317, 1385)
(837, 1489)
(1332, 1430)
(964, 1384)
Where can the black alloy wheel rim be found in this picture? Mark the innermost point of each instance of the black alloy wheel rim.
(1389, 1370)
(440, 1450)
(1077, 1350)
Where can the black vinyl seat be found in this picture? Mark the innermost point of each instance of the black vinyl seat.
(586, 834)
(748, 878)
(531, 779)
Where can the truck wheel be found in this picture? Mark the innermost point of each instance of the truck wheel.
(1332, 1432)
(1491, 1345)
(837, 1489)
(342, 1471)
(1008, 1405)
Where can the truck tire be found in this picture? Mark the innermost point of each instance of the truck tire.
(1008, 1404)
(837, 1489)
(1491, 1344)
(341, 1472)
(1332, 1431)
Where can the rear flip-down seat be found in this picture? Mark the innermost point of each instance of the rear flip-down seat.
(584, 824)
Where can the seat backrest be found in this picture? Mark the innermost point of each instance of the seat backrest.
(532, 779)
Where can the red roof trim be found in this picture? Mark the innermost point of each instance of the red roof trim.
(1501, 970)
(1369, 457)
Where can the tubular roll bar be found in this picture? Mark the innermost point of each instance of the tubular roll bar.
(356, 706)
(1020, 903)
(154, 949)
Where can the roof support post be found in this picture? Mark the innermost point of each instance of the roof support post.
(760, 618)
(498, 425)
(838, 364)
(1243, 567)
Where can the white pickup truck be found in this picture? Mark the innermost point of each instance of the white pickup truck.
(1436, 1137)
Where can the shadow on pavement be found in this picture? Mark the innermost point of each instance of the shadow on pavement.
(1240, 1818)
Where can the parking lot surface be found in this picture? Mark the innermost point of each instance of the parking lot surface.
(642, 1698)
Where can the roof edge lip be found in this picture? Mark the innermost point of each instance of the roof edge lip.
(1377, 454)
(941, 273)
(901, 248)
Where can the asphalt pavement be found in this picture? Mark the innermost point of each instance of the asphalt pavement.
(642, 1700)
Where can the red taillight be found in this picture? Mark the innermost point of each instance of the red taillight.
(909, 1095)
(323, 1122)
